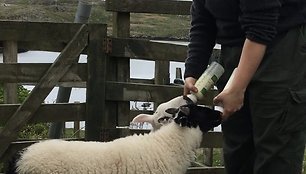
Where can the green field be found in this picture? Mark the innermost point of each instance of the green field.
(142, 25)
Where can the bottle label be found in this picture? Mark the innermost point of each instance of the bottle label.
(208, 79)
(204, 84)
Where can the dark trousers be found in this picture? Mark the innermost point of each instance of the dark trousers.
(267, 136)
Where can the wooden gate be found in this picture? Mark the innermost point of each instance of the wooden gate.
(71, 40)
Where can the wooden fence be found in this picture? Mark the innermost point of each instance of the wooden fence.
(105, 75)
(160, 52)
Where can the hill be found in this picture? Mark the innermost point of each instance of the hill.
(142, 25)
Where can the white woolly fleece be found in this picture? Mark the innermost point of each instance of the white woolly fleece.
(166, 151)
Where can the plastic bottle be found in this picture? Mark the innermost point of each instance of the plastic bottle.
(219, 106)
(206, 81)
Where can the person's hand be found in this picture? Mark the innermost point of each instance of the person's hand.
(231, 99)
(189, 85)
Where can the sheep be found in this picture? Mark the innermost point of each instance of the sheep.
(168, 150)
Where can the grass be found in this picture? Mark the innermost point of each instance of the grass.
(142, 25)
(217, 156)
(70, 133)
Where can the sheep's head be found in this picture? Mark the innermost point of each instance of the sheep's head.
(161, 116)
(192, 115)
(184, 112)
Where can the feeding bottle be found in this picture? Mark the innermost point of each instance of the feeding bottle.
(206, 81)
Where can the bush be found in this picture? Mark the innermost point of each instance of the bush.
(22, 94)
(34, 131)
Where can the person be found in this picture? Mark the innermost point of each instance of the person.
(264, 117)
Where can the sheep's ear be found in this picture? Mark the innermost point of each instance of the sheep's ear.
(141, 118)
(172, 111)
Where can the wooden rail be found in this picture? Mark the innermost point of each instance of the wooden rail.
(148, 50)
(40, 36)
(23, 72)
(48, 112)
(177, 7)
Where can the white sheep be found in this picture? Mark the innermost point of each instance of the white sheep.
(168, 150)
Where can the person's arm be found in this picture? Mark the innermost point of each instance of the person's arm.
(232, 97)
(202, 38)
(258, 19)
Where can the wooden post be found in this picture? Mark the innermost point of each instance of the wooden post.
(96, 119)
(47, 82)
(76, 125)
(208, 156)
(178, 73)
(121, 24)
(76, 129)
(161, 76)
(63, 94)
(121, 28)
(10, 56)
(222, 157)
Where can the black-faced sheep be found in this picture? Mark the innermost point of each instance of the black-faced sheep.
(168, 150)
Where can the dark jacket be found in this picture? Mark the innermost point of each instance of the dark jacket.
(229, 22)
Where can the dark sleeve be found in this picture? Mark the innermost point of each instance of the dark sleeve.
(202, 37)
(259, 19)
